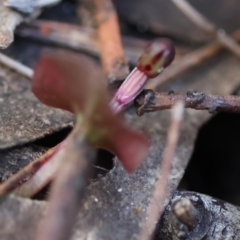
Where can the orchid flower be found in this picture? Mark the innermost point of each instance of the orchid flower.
(73, 82)
(156, 56)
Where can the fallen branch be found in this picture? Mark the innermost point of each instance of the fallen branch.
(149, 101)
(156, 206)
(188, 61)
(202, 22)
(112, 54)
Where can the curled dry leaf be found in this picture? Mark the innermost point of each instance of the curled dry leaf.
(75, 83)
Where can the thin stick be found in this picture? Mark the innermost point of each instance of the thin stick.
(68, 190)
(190, 60)
(149, 101)
(202, 22)
(16, 66)
(112, 54)
(9, 185)
(157, 204)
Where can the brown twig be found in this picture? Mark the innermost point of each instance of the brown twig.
(149, 101)
(190, 60)
(112, 54)
(9, 185)
(202, 22)
(68, 190)
(156, 206)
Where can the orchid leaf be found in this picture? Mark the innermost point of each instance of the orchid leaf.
(75, 83)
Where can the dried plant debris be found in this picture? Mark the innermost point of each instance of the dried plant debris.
(9, 20)
(23, 118)
(196, 216)
(164, 18)
(13, 159)
(12, 14)
(29, 6)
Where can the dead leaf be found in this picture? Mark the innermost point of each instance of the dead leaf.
(23, 118)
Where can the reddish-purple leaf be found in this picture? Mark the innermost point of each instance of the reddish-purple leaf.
(75, 83)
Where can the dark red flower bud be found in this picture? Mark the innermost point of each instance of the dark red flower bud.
(156, 56)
